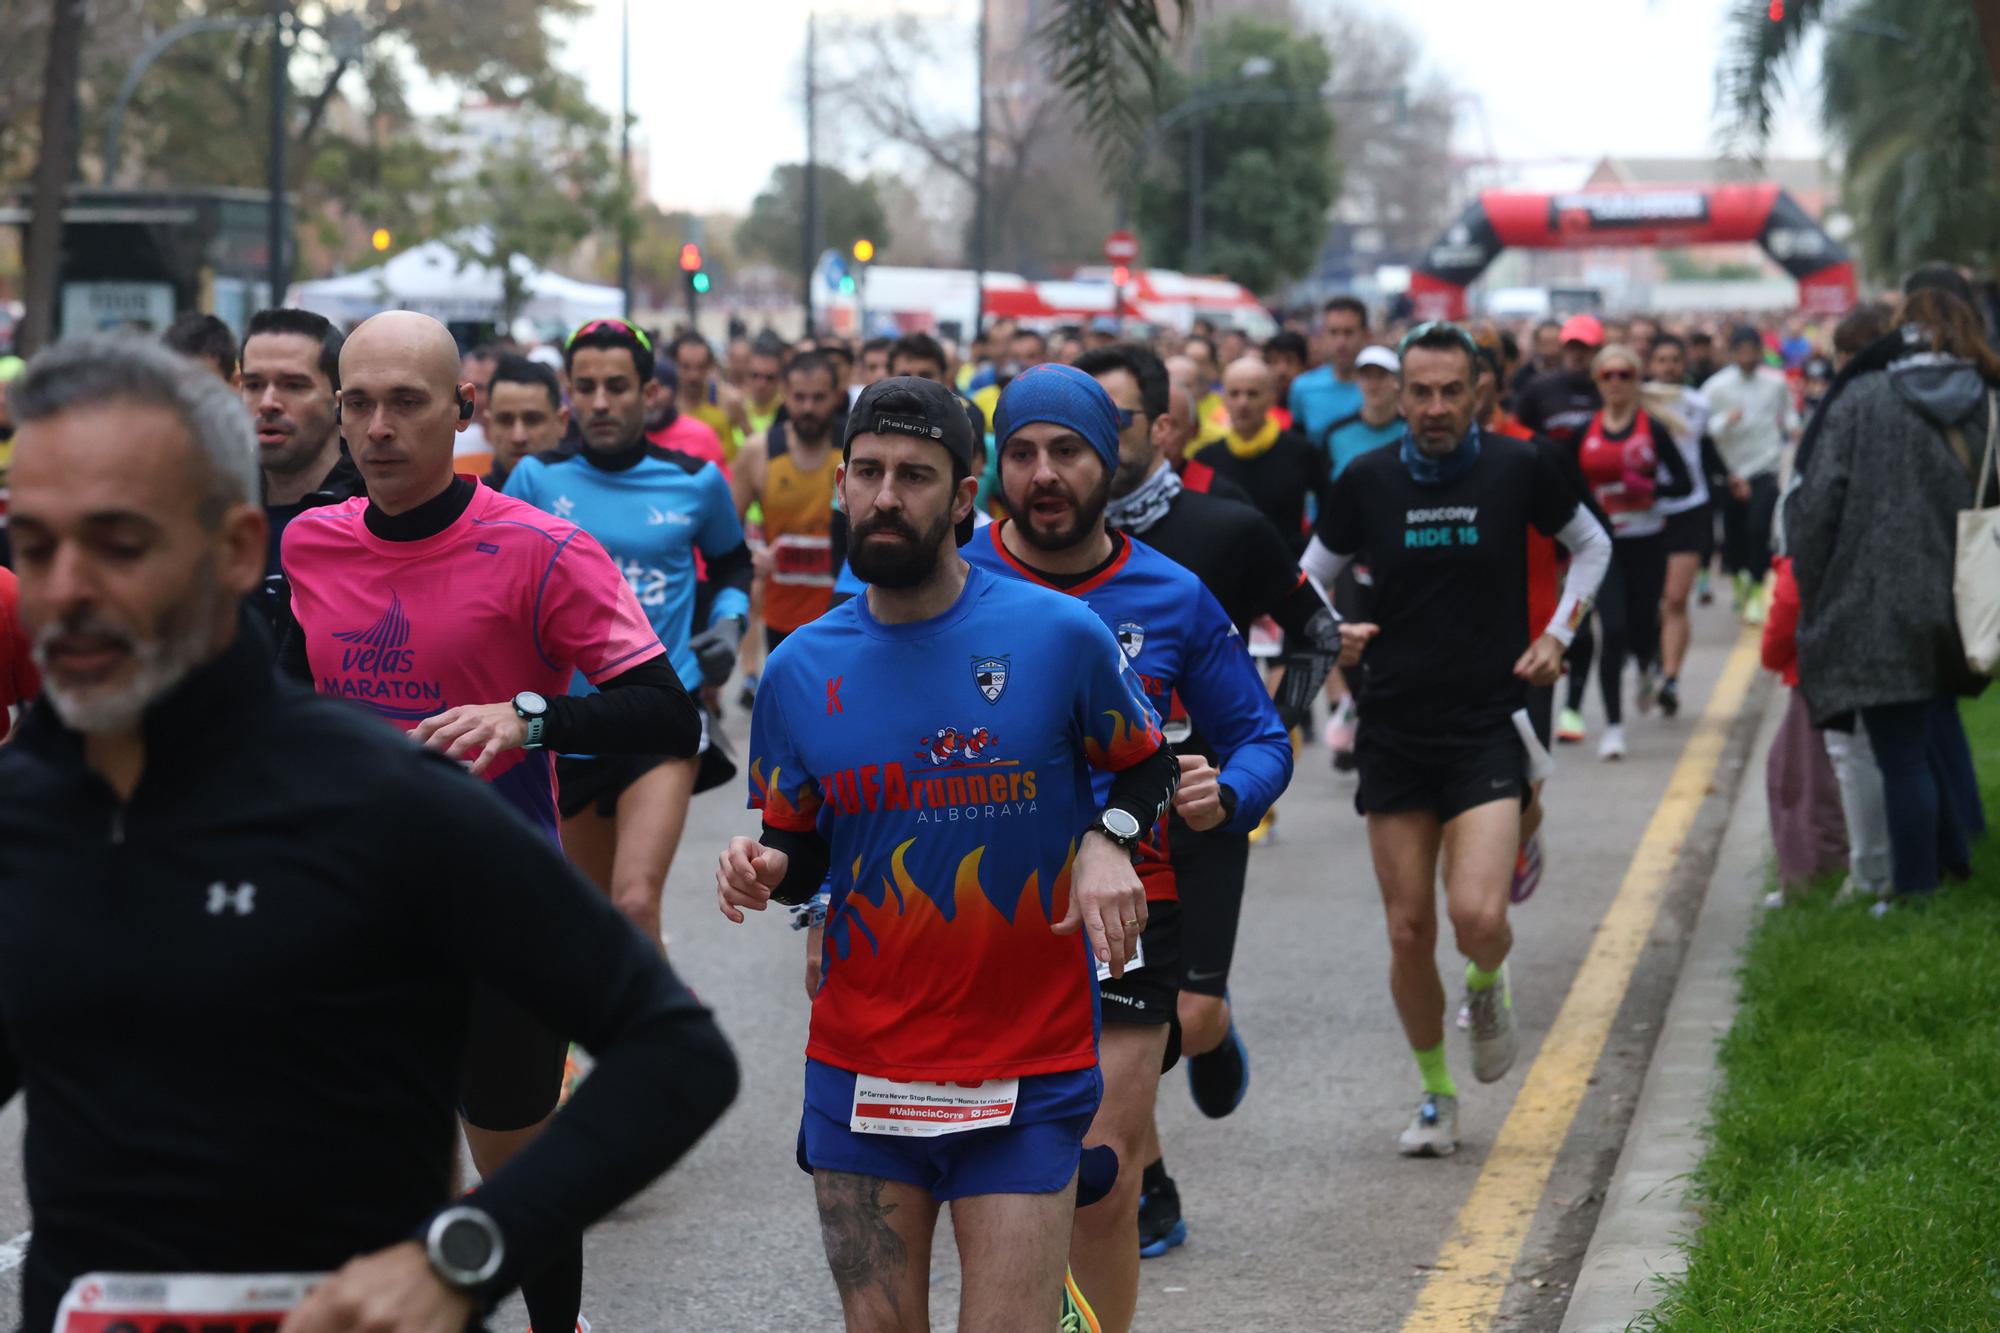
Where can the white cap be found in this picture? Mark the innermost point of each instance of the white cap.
(547, 355)
(1379, 357)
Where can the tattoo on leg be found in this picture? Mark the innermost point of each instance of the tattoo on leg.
(861, 1248)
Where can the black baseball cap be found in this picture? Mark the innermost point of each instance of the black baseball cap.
(906, 405)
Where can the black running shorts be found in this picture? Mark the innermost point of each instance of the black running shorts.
(1149, 995)
(1692, 533)
(511, 1071)
(595, 782)
(1446, 775)
(1210, 869)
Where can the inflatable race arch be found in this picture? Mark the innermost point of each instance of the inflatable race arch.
(1592, 219)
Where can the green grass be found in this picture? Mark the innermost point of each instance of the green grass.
(1853, 1175)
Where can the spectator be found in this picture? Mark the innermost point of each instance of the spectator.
(1872, 533)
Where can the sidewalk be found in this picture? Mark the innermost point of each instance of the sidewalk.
(1646, 1211)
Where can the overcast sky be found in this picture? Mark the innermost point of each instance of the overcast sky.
(715, 85)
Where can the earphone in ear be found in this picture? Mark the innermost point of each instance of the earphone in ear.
(464, 408)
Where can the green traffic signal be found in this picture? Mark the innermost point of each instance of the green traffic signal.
(700, 281)
(847, 284)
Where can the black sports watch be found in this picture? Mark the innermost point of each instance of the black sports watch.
(532, 709)
(464, 1247)
(1121, 826)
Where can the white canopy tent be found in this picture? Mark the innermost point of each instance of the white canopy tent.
(431, 278)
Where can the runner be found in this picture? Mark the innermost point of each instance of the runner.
(654, 511)
(1559, 403)
(1690, 533)
(1286, 353)
(1279, 469)
(290, 375)
(701, 396)
(1378, 420)
(1630, 459)
(763, 385)
(460, 615)
(525, 415)
(875, 360)
(1058, 439)
(282, 949)
(953, 715)
(789, 471)
(473, 451)
(20, 681)
(1752, 418)
(206, 339)
(1323, 396)
(1244, 563)
(1441, 522)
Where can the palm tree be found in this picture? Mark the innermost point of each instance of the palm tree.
(1911, 92)
(1104, 53)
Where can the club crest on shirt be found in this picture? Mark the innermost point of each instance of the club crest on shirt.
(990, 675)
(1131, 637)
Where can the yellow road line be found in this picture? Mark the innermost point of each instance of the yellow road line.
(1465, 1288)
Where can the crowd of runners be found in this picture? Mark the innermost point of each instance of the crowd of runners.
(1011, 648)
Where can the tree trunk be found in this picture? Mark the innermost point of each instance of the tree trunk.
(1988, 14)
(52, 174)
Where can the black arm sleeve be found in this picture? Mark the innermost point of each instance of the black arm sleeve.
(1312, 637)
(731, 569)
(642, 711)
(1146, 789)
(502, 903)
(809, 857)
(1680, 481)
(293, 663)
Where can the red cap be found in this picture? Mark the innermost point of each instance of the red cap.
(1583, 329)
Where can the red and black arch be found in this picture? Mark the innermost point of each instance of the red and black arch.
(1704, 215)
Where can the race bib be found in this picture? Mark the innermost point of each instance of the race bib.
(927, 1110)
(807, 561)
(1138, 961)
(181, 1302)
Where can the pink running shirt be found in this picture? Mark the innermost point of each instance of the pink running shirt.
(508, 598)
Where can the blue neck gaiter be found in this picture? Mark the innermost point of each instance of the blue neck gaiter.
(1428, 471)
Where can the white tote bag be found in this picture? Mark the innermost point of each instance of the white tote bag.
(1975, 585)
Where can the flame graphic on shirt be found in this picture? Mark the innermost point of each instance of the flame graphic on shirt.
(768, 795)
(1129, 743)
(917, 924)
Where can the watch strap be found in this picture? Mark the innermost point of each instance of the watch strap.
(535, 728)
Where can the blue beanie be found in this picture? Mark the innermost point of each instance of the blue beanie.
(1062, 396)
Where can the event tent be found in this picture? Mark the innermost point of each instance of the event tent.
(433, 279)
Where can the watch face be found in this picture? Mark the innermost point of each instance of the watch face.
(534, 705)
(1121, 824)
(466, 1246)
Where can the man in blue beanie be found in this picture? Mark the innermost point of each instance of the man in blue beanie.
(1057, 430)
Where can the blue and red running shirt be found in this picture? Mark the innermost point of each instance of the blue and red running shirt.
(954, 757)
(1179, 639)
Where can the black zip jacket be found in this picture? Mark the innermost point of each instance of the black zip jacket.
(343, 482)
(236, 1002)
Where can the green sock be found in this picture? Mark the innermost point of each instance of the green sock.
(1478, 978)
(1437, 1078)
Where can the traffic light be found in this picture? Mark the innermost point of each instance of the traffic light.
(1120, 276)
(700, 283)
(864, 251)
(690, 258)
(847, 284)
(1777, 11)
(692, 271)
(381, 240)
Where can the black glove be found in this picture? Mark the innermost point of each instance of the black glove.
(715, 649)
(1306, 670)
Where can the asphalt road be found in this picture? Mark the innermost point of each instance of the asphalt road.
(1301, 1215)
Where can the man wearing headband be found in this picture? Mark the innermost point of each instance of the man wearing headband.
(1441, 522)
(656, 511)
(924, 745)
(1057, 434)
(460, 615)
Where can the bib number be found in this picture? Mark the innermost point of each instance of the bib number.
(181, 1302)
(1138, 961)
(928, 1110)
(802, 560)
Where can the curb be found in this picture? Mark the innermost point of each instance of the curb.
(1647, 1216)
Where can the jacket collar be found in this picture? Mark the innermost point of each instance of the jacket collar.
(207, 703)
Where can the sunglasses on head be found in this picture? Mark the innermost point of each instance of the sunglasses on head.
(1430, 326)
(615, 326)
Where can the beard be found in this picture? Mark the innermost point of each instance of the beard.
(1086, 516)
(906, 563)
(810, 429)
(161, 661)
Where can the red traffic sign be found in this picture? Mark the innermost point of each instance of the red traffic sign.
(1121, 247)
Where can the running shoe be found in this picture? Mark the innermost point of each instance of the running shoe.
(1569, 727)
(1494, 1041)
(1077, 1316)
(1649, 689)
(1703, 594)
(1219, 1079)
(1527, 870)
(1759, 604)
(1612, 747)
(1340, 736)
(1739, 591)
(1433, 1130)
(1669, 697)
(1161, 1227)
(1267, 827)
